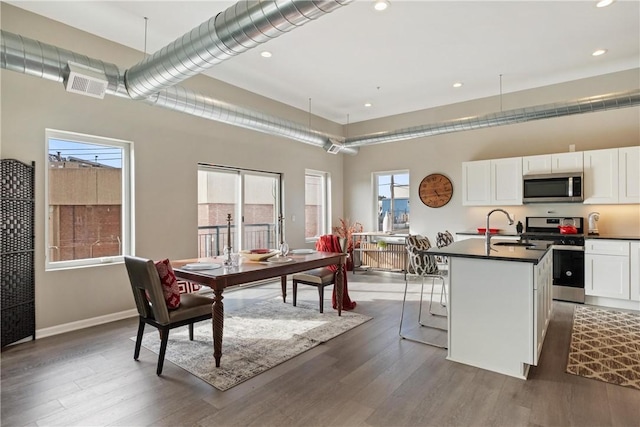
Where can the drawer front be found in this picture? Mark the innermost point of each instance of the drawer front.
(607, 247)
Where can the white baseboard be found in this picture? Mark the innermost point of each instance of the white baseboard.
(86, 323)
(612, 302)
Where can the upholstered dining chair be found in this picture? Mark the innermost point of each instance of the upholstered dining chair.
(424, 266)
(319, 277)
(152, 308)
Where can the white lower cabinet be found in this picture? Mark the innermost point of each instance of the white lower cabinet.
(607, 268)
(543, 301)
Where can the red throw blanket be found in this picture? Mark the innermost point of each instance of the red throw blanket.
(330, 243)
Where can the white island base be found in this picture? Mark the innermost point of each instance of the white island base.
(498, 313)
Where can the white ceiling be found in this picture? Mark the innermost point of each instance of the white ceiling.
(403, 59)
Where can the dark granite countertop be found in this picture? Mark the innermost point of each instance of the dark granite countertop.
(611, 237)
(475, 248)
(501, 233)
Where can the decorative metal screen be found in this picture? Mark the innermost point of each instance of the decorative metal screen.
(17, 251)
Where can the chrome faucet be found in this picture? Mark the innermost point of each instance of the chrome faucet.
(487, 234)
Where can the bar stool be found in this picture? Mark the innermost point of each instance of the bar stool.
(424, 266)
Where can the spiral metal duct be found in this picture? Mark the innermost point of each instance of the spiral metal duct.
(28, 56)
(238, 29)
(31, 57)
(180, 99)
(521, 115)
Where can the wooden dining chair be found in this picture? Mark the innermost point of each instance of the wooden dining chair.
(319, 277)
(153, 310)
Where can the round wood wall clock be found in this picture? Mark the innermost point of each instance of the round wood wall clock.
(435, 190)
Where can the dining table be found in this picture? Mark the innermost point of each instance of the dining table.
(221, 277)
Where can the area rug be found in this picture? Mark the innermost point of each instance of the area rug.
(256, 338)
(605, 345)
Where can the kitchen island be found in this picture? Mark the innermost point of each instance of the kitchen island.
(499, 303)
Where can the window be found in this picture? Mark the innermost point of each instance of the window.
(316, 204)
(392, 200)
(254, 196)
(89, 199)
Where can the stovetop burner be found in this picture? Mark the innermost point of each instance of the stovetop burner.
(547, 228)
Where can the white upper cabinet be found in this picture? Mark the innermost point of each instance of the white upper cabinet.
(476, 183)
(601, 176)
(629, 175)
(556, 163)
(532, 165)
(492, 182)
(567, 162)
(506, 181)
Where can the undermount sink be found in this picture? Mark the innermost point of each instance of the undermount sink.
(523, 244)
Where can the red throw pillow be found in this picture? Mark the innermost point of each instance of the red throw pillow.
(170, 287)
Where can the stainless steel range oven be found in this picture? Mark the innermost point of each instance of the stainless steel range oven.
(568, 254)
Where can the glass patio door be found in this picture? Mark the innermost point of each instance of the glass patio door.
(253, 199)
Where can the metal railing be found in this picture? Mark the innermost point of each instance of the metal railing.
(212, 239)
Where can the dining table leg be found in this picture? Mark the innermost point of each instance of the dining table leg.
(283, 284)
(218, 324)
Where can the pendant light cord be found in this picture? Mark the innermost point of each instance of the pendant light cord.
(146, 20)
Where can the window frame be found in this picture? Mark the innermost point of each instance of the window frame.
(375, 176)
(127, 209)
(325, 178)
(240, 201)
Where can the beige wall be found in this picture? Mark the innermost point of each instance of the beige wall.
(167, 149)
(169, 145)
(445, 154)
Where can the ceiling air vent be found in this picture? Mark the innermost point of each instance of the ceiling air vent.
(334, 146)
(85, 81)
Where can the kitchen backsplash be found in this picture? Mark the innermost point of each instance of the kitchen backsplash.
(614, 219)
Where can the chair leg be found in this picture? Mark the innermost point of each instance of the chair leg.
(443, 293)
(164, 339)
(190, 331)
(295, 292)
(321, 294)
(404, 300)
(431, 297)
(136, 352)
(433, 284)
(421, 299)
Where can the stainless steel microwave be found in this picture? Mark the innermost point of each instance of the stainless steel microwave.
(553, 188)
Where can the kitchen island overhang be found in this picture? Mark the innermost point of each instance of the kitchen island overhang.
(499, 304)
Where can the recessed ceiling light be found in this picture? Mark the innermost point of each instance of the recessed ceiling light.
(457, 84)
(604, 3)
(599, 52)
(380, 5)
(367, 104)
(266, 54)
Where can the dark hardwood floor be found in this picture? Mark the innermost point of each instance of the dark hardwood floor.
(365, 377)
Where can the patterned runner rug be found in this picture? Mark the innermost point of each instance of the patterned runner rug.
(605, 345)
(256, 338)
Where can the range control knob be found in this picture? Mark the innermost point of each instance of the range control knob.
(568, 273)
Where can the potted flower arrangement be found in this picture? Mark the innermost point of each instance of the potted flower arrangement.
(346, 230)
